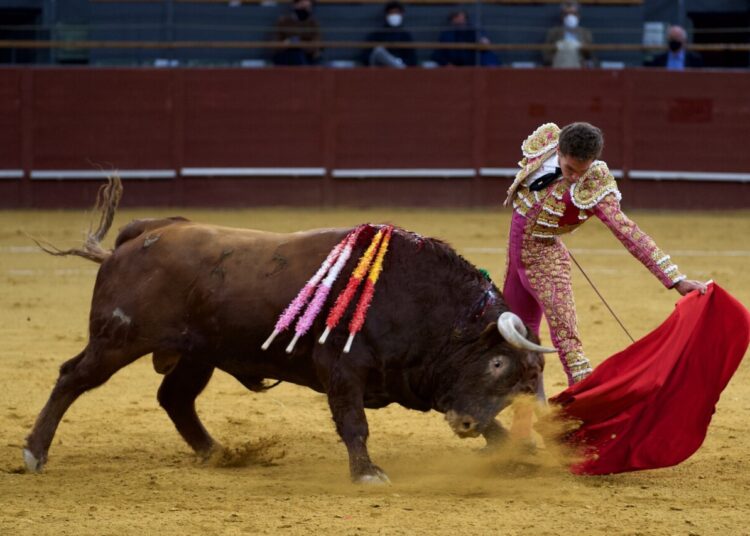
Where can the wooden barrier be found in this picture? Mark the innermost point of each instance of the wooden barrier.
(360, 136)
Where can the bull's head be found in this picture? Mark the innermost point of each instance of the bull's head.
(503, 363)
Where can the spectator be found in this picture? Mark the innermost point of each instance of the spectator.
(570, 40)
(677, 58)
(392, 32)
(297, 26)
(463, 32)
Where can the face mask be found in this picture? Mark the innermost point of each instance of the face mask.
(302, 14)
(394, 19)
(674, 45)
(570, 21)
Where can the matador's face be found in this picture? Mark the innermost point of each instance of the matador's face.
(573, 168)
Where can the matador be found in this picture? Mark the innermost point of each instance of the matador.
(560, 185)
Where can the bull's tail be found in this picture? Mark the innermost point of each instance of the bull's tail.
(106, 204)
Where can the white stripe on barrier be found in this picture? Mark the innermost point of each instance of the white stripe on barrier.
(511, 172)
(498, 171)
(103, 174)
(637, 174)
(11, 173)
(381, 173)
(688, 175)
(253, 172)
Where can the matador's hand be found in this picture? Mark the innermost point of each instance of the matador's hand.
(688, 285)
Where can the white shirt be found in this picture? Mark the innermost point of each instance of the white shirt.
(548, 166)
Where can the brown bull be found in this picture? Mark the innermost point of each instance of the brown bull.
(200, 297)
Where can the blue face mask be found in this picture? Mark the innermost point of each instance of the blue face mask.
(570, 21)
(394, 20)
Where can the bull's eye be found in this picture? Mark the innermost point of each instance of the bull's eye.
(497, 365)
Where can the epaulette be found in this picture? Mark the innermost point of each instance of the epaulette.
(593, 186)
(542, 140)
(540, 144)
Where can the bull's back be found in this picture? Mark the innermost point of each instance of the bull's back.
(174, 275)
(137, 227)
(190, 248)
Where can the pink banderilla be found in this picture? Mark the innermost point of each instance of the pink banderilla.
(293, 309)
(306, 320)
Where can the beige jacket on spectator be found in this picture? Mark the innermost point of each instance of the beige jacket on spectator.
(564, 56)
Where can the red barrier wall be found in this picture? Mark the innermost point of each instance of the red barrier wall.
(76, 119)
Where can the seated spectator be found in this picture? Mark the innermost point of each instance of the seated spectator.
(570, 41)
(296, 26)
(392, 32)
(462, 32)
(677, 58)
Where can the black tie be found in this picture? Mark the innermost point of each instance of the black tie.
(544, 180)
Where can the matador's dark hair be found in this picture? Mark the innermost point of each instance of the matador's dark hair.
(583, 141)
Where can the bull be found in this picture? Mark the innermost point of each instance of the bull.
(438, 335)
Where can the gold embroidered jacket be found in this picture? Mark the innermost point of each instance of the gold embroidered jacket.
(562, 206)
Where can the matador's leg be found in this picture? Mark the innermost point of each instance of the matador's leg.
(521, 299)
(551, 280)
(517, 292)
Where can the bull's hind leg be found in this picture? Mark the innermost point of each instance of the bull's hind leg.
(177, 395)
(87, 370)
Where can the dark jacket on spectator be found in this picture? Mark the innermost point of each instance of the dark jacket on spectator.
(394, 35)
(463, 58)
(294, 30)
(692, 59)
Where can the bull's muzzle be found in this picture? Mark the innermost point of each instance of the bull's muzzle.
(463, 425)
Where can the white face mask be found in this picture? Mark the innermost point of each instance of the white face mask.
(394, 19)
(570, 21)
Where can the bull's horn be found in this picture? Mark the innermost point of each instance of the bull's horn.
(512, 329)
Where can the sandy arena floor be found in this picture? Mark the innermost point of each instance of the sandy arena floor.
(117, 466)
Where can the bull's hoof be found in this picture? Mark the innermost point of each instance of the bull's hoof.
(376, 476)
(214, 452)
(33, 464)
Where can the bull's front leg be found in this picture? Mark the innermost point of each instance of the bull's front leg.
(346, 400)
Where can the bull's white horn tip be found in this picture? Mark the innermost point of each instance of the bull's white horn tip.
(514, 331)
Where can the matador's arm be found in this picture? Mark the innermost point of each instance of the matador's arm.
(638, 243)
